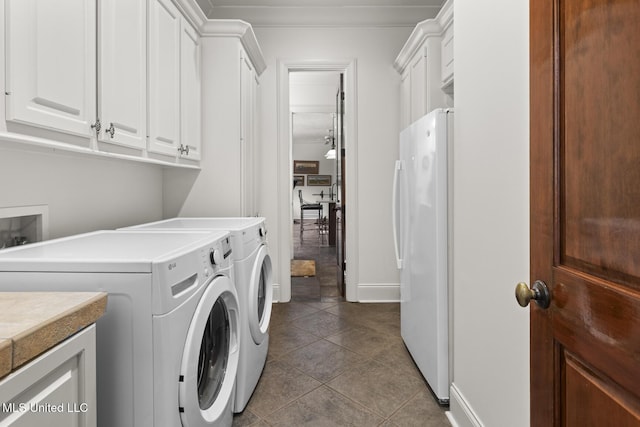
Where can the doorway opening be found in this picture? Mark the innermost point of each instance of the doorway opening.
(316, 118)
(316, 105)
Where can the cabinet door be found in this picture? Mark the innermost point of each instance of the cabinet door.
(405, 100)
(122, 52)
(63, 379)
(418, 86)
(164, 77)
(447, 56)
(51, 64)
(247, 174)
(190, 91)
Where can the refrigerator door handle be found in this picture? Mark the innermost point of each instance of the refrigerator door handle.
(394, 209)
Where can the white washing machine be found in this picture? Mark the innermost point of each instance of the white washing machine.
(168, 344)
(254, 283)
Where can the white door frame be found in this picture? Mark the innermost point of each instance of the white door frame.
(285, 170)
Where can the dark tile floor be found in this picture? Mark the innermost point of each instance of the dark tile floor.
(334, 363)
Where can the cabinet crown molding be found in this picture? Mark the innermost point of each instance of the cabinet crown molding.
(224, 28)
(243, 31)
(428, 28)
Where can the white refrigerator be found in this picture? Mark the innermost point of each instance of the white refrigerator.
(421, 234)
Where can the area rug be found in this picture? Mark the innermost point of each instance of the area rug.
(303, 267)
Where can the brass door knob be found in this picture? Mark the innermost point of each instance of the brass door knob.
(538, 292)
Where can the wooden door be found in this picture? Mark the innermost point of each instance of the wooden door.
(585, 212)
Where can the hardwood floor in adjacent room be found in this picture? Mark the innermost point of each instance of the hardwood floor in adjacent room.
(335, 363)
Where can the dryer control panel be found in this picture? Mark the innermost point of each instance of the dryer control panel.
(220, 254)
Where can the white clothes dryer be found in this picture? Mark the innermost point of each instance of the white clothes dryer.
(254, 283)
(168, 344)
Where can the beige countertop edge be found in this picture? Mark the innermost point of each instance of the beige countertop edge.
(6, 357)
(52, 328)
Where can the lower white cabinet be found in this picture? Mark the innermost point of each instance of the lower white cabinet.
(57, 389)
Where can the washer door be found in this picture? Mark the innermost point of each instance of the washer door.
(260, 295)
(210, 358)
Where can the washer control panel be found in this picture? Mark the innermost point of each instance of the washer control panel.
(220, 254)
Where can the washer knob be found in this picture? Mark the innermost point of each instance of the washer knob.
(216, 257)
(263, 232)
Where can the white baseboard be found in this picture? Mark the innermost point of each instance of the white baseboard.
(452, 420)
(379, 292)
(460, 412)
(373, 292)
(276, 292)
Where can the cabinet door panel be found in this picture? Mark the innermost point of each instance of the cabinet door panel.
(122, 72)
(51, 71)
(447, 55)
(405, 101)
(418, 86)
(164, 77)
(190, 89)
(248, 86)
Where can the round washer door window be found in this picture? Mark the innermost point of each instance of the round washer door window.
(260, 295)
(210, 358)
(214, 352)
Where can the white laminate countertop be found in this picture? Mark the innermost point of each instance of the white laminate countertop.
(33, 322)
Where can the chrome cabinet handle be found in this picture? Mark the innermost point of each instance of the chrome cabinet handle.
(97, 125)
(110, 130)
(183, 149)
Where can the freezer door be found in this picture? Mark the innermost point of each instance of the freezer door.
(424, 278)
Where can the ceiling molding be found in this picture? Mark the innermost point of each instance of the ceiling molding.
(326, 16)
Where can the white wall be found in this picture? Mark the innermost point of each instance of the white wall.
(491, 213)
(374, 49)
(82, 193)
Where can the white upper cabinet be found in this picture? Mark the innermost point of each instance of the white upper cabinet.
(447, 56)
(50, 64)
(425, 64)
(190, 92)
(418, 76)
(164, 77)
(122, 74)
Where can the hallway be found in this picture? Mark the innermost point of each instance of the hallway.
(334, 363)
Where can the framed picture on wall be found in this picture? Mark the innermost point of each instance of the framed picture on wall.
(319, 180)
(298, 181)
(306, 167)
